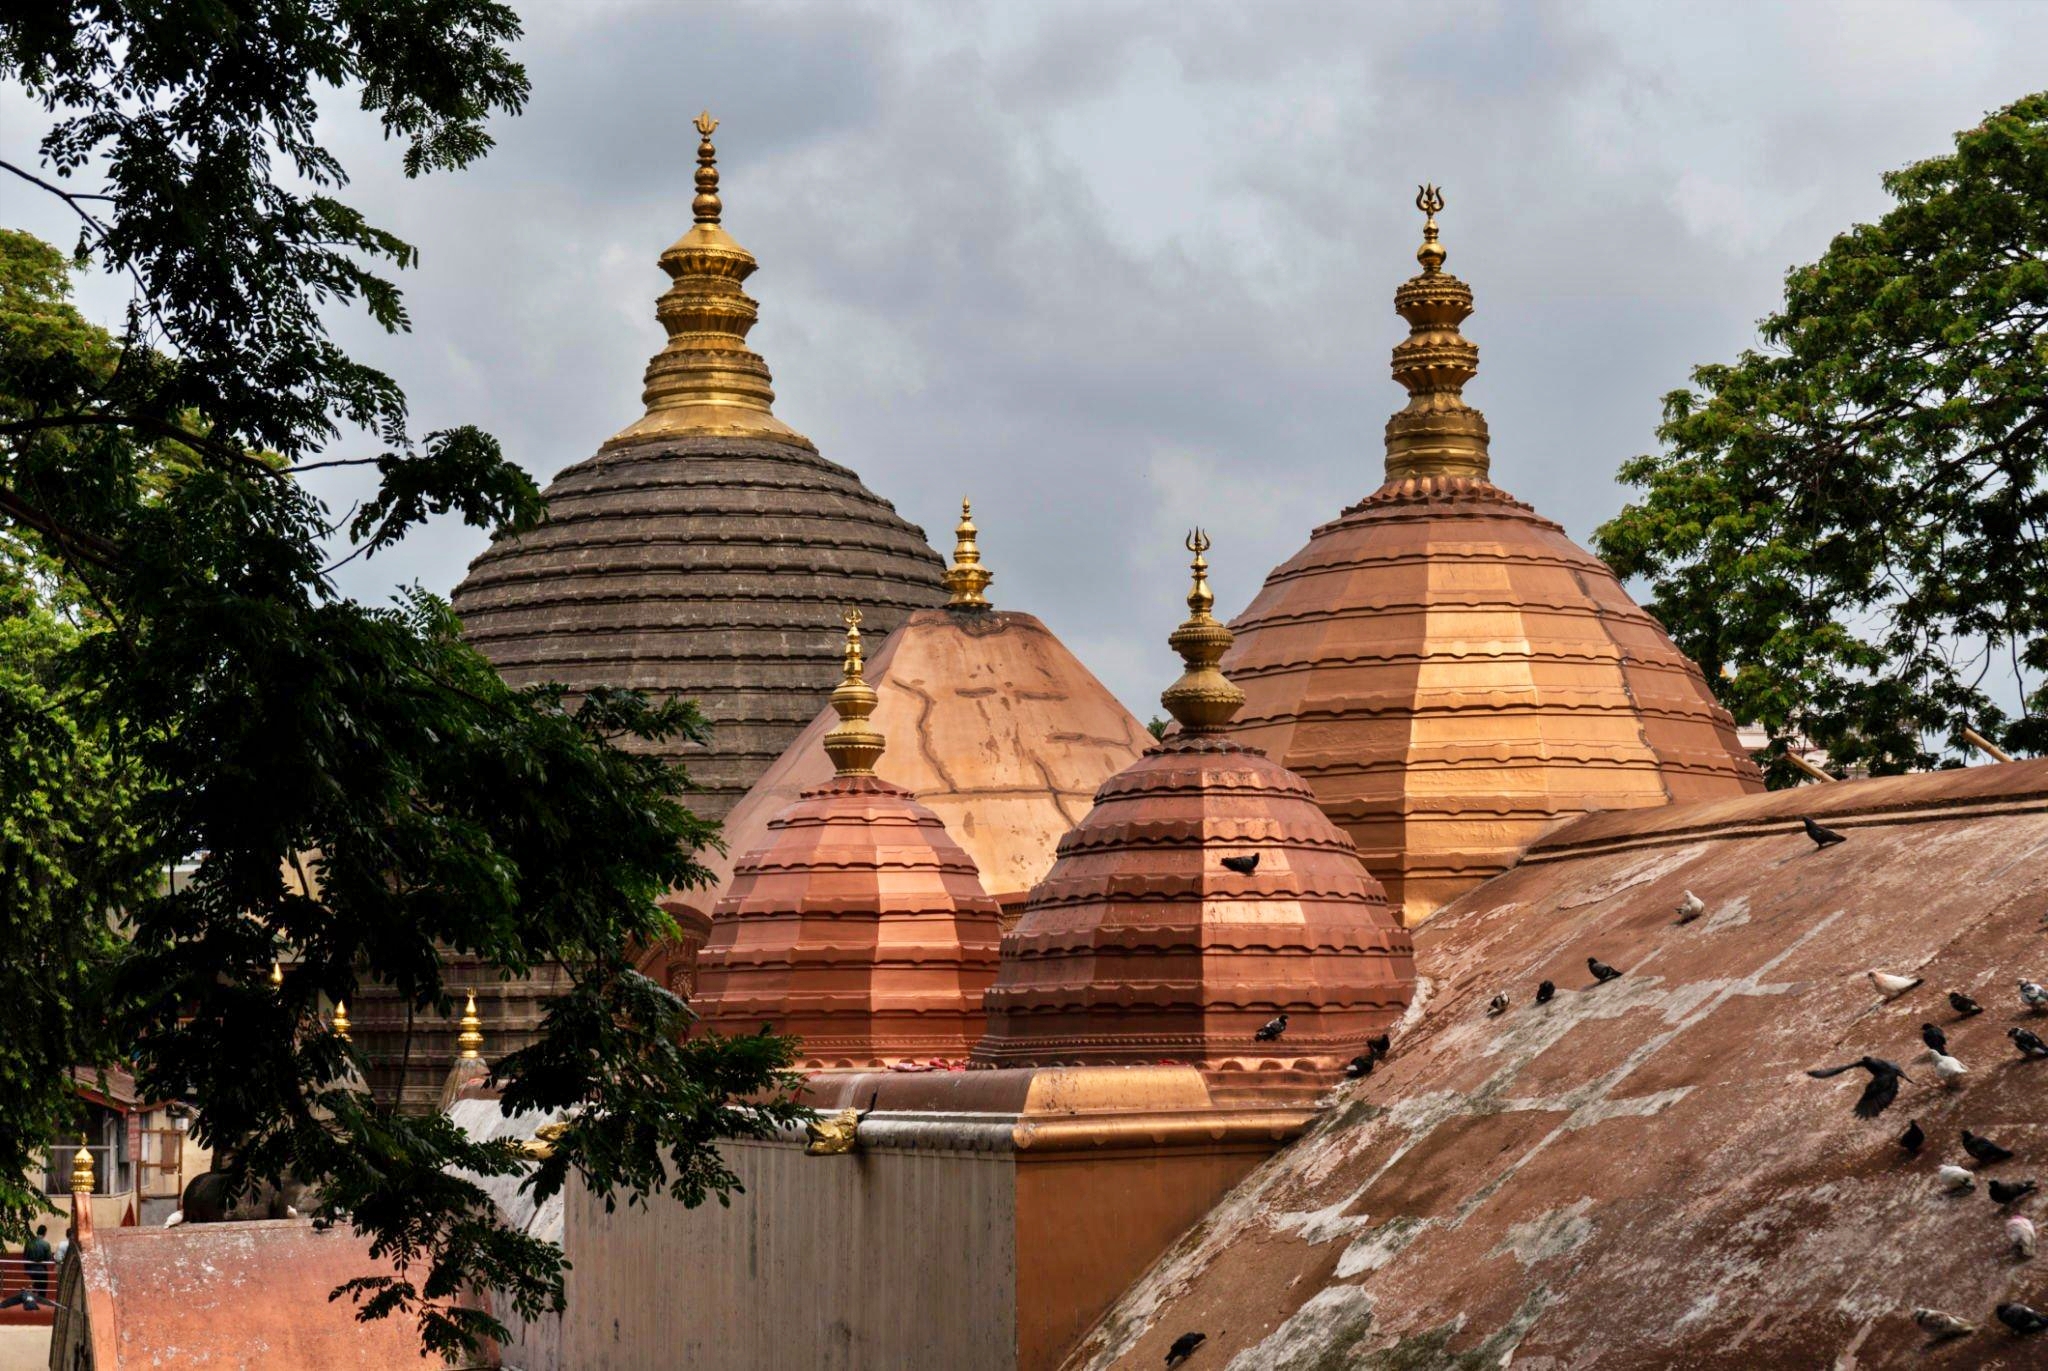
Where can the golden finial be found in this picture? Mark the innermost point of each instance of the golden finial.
(1438, 434)
(471, 1038)
(340, 1023)
(853, 744)
(276, 974)
(706, 205)
(1203, 699)
(967, 577)
(81, 1169)
(1430, 200)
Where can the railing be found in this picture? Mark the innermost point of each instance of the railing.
(17, 1274)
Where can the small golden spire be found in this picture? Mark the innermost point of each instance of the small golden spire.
(967, 577)
(1203, 699)
(340, 1023)
(81, 1169)
(706, 204)
(853, 744)
(276, 974)
(1438, 434)
(471, 1038)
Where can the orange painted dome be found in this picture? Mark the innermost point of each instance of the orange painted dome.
(858, 925)
(1449, 670)
(1141, 946)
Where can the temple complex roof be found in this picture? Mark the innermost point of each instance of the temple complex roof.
(1641, 1173)
(998, 729)
(857, 925)
(1451, 672)
(1142, 946)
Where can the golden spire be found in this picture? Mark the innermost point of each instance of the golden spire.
(471, 1038)
(1203, 699)
(276, 974)
(340, 1023)
(706, 381)
(1438, 434)
(81, 1169)
(853, 744)
(967, 577)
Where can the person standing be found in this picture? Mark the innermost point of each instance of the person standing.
(37, 1254)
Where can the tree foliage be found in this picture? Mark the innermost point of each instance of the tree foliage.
(359, 791)
(1852, 522)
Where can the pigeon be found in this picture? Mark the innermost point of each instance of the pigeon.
(1882, 1090)
(1822, 837)
(1245, 865)
(1358, 1068)
(2005, 1192)
(2034, 996)
(290, 1212)
(1947, 1069)
(1544, 992)
(1963, 1005)
(1602, 972)
(1934, 1037)
(1912, 1138)
(29, 1302)
(1273, 1028)
(2021, 1319)
(1890, 985)
(2028, 1042)
(1983, 1149)
(1939, 1324)
(177, 1217)
(1184, 1347)
(2019, 1231)
(1956, 1178)
(1380, 1046)
(321, 1223)
(1497, 1006)
(1690, 908)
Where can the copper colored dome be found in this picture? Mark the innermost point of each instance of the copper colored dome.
(1141, 946)
(858, 925)
(1449, 670)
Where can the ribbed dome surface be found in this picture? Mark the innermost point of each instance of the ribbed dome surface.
(1453, 675)
(711, 568)
(859, 926)
(1140, 946)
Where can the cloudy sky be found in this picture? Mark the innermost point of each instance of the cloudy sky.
(1114, 269)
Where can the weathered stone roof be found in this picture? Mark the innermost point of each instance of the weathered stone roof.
(1641, 1174)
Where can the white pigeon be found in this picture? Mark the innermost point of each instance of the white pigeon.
(2033, 996)
(290, 1212)
(1889, 984)
(177, 1217)
(2019, 1231)
(1955, 1178)
(1690, 908)
(1947, 1068)
(1943, 1324)
(1498, 1006)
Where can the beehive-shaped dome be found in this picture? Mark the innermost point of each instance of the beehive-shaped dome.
(858, 925)
(705, 551)
(1449, 670)
(999, 729)
(1142, 946)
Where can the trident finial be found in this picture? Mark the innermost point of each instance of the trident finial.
(1430, 200)
(1200, 599)
(1203, 699)
(706, 205)
(853, 744)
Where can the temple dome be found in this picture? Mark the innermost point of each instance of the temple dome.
(858, 925)
(1448, 669)
(1140, 946)
(999, 729)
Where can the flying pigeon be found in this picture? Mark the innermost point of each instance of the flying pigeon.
(1273, 1028)
(1380, 1046)
(1963, 1004)
(1358, 1067)
(1602, 972)
(1912, 1138)
(2021, 1319)
(29, 1302)
(1184, 1347)
(2028, 1042)
(2034, 996)
(1947, 1068)
(2005, 1192)
(1983, 1149)
(1245, 865)
(1690, 908)
(1497, 1006)
(1939, 1324)
(1956, 1178)
(1934, 1037)
(1882, 1090)
(1822, 837)
(1544, 992)
(2019, 1231)
(1890, 985)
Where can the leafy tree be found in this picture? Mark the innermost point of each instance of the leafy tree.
(195, 689)
(1851, 521)
(1157, 726)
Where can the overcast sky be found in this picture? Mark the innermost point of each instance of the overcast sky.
(1115, 269)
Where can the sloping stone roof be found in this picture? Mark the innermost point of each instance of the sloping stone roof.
(1641, 1174)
